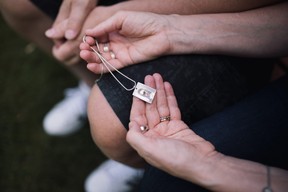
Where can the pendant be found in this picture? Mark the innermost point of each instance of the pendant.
(144, 92)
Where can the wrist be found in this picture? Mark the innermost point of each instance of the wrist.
(206, 173)
(189, 34)
(233, 174)
(176, 35)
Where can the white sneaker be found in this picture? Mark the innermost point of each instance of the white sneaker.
(112, 176)
(70, 114)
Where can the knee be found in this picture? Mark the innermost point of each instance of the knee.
(107, 131)
(23, 10)
(21, 15)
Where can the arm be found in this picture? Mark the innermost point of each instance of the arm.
(257, 33)
(199, 162)
(133, 35)
(70, 21)
(188, 7)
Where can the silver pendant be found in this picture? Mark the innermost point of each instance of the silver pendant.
(144, 92)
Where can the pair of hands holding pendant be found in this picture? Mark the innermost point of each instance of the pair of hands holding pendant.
(137, 37)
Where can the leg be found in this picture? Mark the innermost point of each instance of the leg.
(107, 130)
(31, 23)
(206, 83)
(253, 129)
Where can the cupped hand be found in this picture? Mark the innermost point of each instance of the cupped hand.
(67, 27)
(168, 145)
(68, 51)
(70, 18)
(133, 37)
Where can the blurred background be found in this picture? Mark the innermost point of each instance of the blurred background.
(31, 161)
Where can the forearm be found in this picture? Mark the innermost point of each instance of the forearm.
(261, 33)
(232, 174)
(192, 6)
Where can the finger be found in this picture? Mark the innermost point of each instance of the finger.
(77, 16)
(84, 47)
(89, 56)
(151, 109)
(114, 23)
(162, 104)
(59, 26)
(147, 147)
(96, 68)
(63, 12)
(138, 112)
(70, 59)
(175, 113)
(136, 138)
(89, 40)
(100, 47)
(64, 53)
(58, 31)
(88, 48)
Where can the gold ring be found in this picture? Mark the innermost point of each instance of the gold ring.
(165, 118)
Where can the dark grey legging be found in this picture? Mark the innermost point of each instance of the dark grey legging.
(203, 84)
(51, 8)
(255, 128)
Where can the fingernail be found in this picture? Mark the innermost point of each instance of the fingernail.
(70, 34)
(50, 32)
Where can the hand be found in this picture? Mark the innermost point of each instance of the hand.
(67, 26)
(168, 145)
(70, 18)
(133, 37)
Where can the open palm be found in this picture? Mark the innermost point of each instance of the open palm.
(169, 144)
(131, 41)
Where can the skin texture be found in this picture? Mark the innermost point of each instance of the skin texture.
(67, 27)
(66, 51)
(107, 131)
(72, 15)
(167, 139)
(130, 47)
(132, 36)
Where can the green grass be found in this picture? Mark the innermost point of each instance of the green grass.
(30, 160)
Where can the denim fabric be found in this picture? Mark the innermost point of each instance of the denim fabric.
(256, 128)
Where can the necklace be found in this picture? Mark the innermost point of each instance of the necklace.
(141, 90)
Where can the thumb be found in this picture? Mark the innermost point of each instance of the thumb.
(57, 31)
(136, 138)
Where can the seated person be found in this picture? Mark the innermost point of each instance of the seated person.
(171, 145)
(205, 83)
(195, 86)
